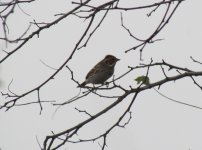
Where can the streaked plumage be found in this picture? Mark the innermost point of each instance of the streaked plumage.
(101, 71)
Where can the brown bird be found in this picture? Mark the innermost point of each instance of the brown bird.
(101, 71)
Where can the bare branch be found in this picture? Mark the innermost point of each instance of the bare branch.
(42, 28)
(83, 111)
(196, 61)
(176, 100)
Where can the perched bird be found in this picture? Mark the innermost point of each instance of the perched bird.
(101, 71)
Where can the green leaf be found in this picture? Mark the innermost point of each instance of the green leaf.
(142, 79)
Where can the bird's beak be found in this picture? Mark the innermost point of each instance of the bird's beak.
(117, 59)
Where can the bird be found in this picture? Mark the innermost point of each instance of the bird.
(101, 72)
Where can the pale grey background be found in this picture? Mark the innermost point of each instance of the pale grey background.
(156, 124)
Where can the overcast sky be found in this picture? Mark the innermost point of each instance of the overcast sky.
(156, 124)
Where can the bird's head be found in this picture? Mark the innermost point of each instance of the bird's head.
(110, 60)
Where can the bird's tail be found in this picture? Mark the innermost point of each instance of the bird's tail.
(82, 84)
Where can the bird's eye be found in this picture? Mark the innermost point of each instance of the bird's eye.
(110, 61)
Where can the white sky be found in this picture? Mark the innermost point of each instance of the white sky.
(157, 124)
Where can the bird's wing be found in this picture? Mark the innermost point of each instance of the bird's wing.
(94, 70)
